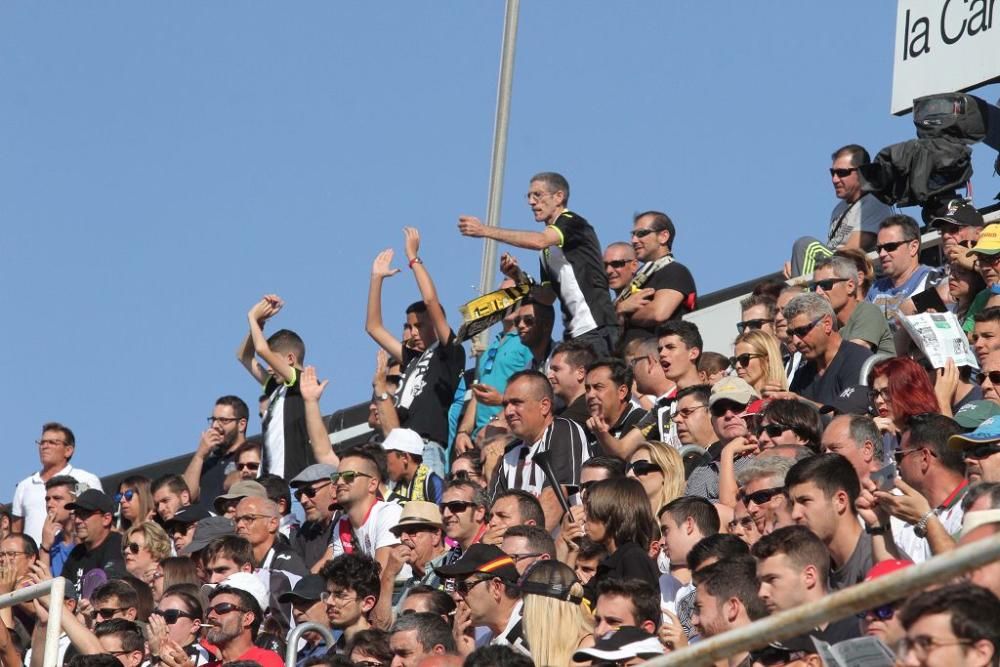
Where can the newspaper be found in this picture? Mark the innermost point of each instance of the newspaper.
(861, 652)
(940, 337)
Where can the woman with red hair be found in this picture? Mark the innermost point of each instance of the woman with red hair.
(899, 388)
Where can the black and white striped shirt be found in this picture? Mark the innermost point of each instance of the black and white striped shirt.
(567, 441)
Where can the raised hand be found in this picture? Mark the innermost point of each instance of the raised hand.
(486, 395)
(412, 241)
(470, 225)
(310, 386)
(381, 266)
(510, 268)
(671, 633)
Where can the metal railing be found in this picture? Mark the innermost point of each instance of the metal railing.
(295, 634)
(858, 598)
(56, 590)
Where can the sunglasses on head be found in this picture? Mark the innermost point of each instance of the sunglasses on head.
(983, 451)
(827, 284)
(842, 173)
(616, 263)
(743, 360)
(347, 477)
(310, 491)
(249, 465)
(456, 506)
(127, 495)
(803, 331)
(641, 468)
(224, 608)
(994, 377)
(762, 496)
(171, 616)
(892, 246)
(752, 325)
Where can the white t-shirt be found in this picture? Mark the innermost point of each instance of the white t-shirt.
(375, 533)
(918, 549)
(29, 498)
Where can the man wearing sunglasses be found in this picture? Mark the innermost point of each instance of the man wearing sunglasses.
(832, 363)
(981, 451)
(533, 323)
(862, 323)
(234, 615)
(316, 493)
(902, 273)
(98, 547)
(726, 405)
(960, 225)
(855, 219)
(667, 289)
(464, 511)
(620, 265)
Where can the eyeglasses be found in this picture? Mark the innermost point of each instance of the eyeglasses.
(901, 454)
(642, 233)
(171, 616)
(826, 285)
(892, 246)
(108, 612)
(634, 361)
(616, 263)
(250, 518)
(983, 451)
(50, 442)
(752, 325)
(222, 420)
(249, 465)
(883, 613)
(743, 360)
(224, 608)
(773, 430)
(127, 495)
(803, 331)
(641, 468)
(11, 555)
(534, 196)
(517, 558)
(923, 644)
(529, 320)
(687, 412)
(762, 496)
(347, 476)
(310, 491)
(874, 394)
(842, 173)
(343, 597)
(456, 506)
(133, 547)
(994, 377)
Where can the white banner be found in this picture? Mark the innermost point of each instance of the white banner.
(943, 46)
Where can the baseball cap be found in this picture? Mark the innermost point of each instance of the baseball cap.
(989, 241)
(188, 515)
(317, 472)
(974, 413)
(958, 212)
(241, 581)
(418, 513)
(404, 440)
(241, 489)
(988, 431)
(92, 500)
(483, 558)
(733, 389)
(207, 530)
(308, 589)
(852, 400)
(624, 643)
(885, 567)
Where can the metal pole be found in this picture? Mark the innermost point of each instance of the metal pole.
(54, 628)
(852, 600)
(295, 634)
(487, 274)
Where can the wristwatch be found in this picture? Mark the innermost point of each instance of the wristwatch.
(920, 527)
(384, 396)
(876, 530)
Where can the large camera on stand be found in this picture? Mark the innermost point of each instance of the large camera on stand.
(928, 171)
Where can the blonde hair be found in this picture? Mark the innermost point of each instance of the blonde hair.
(554, 628)
(764, 343)
(157, 542)
(670, 462)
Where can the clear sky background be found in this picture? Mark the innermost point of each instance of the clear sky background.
(164, 165)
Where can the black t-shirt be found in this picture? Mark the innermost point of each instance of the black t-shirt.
(428, 387)
(575, 269)
(213, 477)
(577, 411)
(674, 276)
(629, 561)
(286, 443)
(107, 556)
(311, 540)
(843, 372)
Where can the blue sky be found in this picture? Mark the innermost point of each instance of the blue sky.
(164, 165)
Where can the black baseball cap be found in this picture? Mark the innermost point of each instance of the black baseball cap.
(958, 212)
(308, 589)
(188, 515)
(93, 500)
(484, 559)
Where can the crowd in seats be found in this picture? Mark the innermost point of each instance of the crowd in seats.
(603, 495)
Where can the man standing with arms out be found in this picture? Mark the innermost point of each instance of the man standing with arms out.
(432, 357)
(216, 453)
(857, 439)
(55, 448)
(902, 273)
(571, 267)
(620, 265)
(836, 278)
(528, 410)
(609, 393)
(567, 372)
(667, 291)
(725, 599)
(58, 533)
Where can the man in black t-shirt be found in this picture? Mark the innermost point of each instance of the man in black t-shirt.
(98, 547)
(571, 265)
(216, 453)
(433, 358)
(663, 288)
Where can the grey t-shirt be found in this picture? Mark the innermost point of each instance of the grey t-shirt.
(867, 323)
(865, 216)
(857, 566)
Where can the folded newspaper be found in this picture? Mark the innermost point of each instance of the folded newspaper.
(940, 337)
(860, 652)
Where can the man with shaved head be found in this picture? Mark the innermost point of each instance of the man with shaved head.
(528, 411)
(619, 265)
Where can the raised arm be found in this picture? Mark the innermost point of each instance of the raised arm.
(471, 226)
(312, 389)
(210, 439)
(381, 270)
(262, 311)
(388, 418)
(245, 353)
(426, 286)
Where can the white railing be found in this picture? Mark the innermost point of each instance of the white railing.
(56, 590)
(292, 640)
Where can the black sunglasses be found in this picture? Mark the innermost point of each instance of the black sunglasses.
(171, 616)
(457, 506)
(803, 331)
(743, 360)
(108, 612)
(773, 430)
(982, 451)
(224, 608)
(643, 468)
(641, 233)
(752, 325)
(616, 263)
(842, 173)
(249, 465)
(529, 320)
(891, 246)
(762, 496)
(994, 377)
(827, 284)
(133, 547)
(310, 491)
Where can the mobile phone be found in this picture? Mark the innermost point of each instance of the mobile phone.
(885, 478)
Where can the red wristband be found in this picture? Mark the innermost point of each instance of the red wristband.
(415, 260)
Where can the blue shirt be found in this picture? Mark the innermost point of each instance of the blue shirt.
(889, 298)
(58, 553)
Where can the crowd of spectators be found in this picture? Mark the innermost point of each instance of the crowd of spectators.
(601, 499)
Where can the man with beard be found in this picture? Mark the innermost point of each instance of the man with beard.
(216, 453)
(234, 616)
(317, 494)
